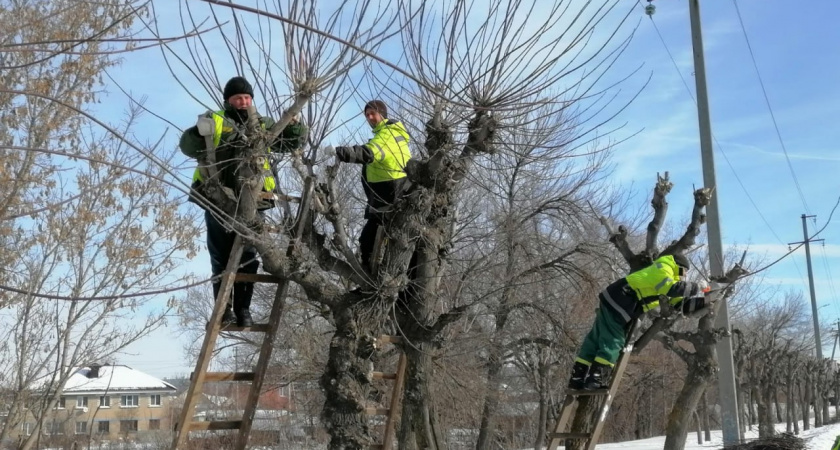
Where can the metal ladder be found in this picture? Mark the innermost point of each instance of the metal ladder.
(606, 396)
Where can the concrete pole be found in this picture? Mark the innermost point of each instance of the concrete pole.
(811, 287)
(726, 387)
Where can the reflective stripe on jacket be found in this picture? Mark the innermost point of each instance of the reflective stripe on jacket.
(655, 280)
(389, 146)
(219, 127)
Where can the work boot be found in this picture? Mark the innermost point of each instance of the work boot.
(228, 318)
(243, 318)
(579, 371)
(599, 377)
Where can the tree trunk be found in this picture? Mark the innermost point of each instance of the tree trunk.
(347, 378)
(837, 396)
(766, 424)
(790, 407)
(542, 418)
(776, 404)
(805, 391)
(679, 419)
(487, 429)
(704, 407)
(793, 402)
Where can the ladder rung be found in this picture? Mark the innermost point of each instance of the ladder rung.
(227, 376)
(257, 328)
(216, 425)
(385, 339)
(583, 393)
(257, 278)
(384, 376)
(273, 196)
(569, 436)
(377, 411)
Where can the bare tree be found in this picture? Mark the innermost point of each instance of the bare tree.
(701, 363)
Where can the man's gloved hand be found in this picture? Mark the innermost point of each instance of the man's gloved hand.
(328, 152)
(205, 125)
(344, 153)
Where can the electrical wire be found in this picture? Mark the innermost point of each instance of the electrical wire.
(770, 108)
(720, 147)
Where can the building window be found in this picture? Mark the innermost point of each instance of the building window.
(154, 400)
(128, 401)
(104, 401)
(128, 426)
(103, 427)
(154, 424)
(81, 402)
(55, 428)
(27, 428)
(81, 427)
(61, 403)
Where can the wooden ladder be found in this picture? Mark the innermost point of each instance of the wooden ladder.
(392, 412)
(606, 396)
(200, 375)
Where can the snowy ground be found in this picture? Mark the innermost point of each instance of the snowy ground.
(815, 439)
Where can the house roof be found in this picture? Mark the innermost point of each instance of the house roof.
(116, 378)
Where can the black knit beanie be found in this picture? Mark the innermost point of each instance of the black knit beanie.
(237, 85)
(377, 105)
(681, 260)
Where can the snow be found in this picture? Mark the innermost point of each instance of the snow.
(815, 439)
(110, 379)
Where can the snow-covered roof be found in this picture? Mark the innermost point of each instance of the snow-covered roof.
(114, 379)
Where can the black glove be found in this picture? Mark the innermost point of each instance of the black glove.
(344, 154)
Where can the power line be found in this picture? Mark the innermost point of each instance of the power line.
(720, 147)
(770, 108)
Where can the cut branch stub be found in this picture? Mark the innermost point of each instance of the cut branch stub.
(482, 130)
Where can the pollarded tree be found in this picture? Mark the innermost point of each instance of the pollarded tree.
(471, 87)
(701, 363)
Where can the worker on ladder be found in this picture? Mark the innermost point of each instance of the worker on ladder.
(383, 160)
(227, 130)
(624, 301)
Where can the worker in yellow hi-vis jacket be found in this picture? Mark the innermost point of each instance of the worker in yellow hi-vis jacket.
(622, 302)
(383, 172)
(223, 129)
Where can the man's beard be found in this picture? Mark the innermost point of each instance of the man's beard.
(240, 115)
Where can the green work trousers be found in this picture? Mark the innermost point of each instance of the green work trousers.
(605, 340)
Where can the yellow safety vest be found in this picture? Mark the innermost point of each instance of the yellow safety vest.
(390, 152)
(219, 118)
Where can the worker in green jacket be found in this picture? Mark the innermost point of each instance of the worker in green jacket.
(622, 302)
(227, 128)
(383, 160)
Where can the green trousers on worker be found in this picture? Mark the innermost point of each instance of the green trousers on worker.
(605, 340)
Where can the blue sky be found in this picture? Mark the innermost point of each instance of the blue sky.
(796, 50)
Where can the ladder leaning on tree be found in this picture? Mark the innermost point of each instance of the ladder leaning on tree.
(604, 396)
(200, 375)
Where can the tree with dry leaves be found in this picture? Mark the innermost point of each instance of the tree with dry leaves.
(86, 231)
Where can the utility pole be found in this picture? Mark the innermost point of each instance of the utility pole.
(836, 337)
(726, 384)
(816, 318)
